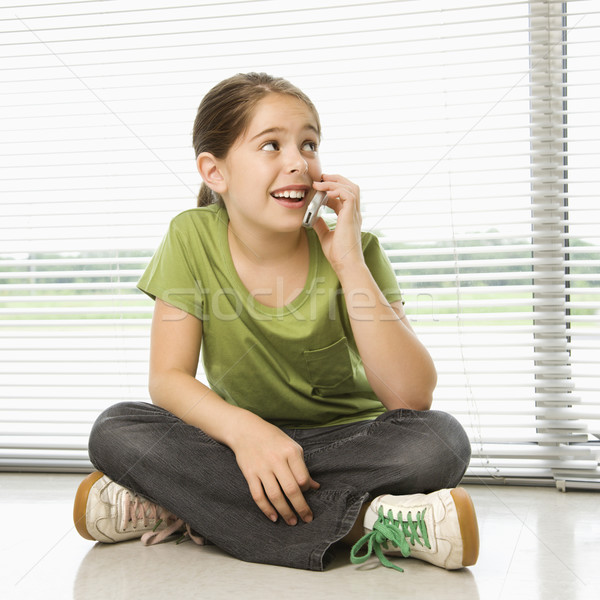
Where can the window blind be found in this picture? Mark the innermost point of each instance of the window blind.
(471, 127)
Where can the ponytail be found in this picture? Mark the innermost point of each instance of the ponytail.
(206, 196)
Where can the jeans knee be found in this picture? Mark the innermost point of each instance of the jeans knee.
(425, 450)
(104, 430)
(453, 450)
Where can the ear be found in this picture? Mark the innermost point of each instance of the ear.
(210, 168)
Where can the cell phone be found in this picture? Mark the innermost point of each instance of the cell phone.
(312, 212)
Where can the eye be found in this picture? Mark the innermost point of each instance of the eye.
(310, 146)
(270, 147)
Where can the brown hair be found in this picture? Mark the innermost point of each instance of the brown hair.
(226, 110)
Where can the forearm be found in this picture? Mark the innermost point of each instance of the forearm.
(271, 462)
(198, 405)
(398, 366)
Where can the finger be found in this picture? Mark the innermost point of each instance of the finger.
(312, 485)
(345, 207)
(321, 228)
(335, 202)
(278, 497)
(338, 196)
(294, 495)
(335, 178)
(305, 482)
(258, 495)
(338, 183)
(301, 475)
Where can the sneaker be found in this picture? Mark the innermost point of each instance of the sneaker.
(440, 528)
(107, 512)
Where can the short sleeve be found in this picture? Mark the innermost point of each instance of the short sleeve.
(171, 274)
(381, 268)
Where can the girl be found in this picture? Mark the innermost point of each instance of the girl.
(316, 426)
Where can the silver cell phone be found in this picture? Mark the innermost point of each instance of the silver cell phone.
(312, 212)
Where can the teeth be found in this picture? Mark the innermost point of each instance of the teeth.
(297, 194)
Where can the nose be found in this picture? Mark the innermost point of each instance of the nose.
(296, 163)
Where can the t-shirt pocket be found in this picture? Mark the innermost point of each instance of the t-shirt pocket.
(331, 369)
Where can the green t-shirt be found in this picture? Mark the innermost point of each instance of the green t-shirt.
(295, 366)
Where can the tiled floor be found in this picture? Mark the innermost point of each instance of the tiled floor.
(535, 543)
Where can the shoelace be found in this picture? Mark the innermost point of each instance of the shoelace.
(402, 533)
(144, 510)
(154, 537)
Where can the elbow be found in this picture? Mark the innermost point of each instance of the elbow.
(153, 388)
(157, 384)
(408, 402)
(423, 399)
(424, 402)
(166, 386)
(432, 385)
(428, 387)
(418, 396)
(417, 391)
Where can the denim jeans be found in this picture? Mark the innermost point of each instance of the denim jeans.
(153, 453)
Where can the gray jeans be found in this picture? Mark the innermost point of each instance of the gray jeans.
(150, 451)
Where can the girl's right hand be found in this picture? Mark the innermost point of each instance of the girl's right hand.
(273, 465)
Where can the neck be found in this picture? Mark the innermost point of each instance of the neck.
(267, 248)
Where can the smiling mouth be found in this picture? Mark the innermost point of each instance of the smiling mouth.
(290, 194)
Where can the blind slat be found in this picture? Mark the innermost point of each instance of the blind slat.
(472, 130)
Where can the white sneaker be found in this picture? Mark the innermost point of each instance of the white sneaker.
(107, 512)
(440, 528)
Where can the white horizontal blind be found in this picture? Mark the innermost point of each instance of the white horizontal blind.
(439, 110)
(481, 234)
(581, 158)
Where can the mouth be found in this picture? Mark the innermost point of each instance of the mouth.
(293, 194)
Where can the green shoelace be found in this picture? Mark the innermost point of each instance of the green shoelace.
(402, 533)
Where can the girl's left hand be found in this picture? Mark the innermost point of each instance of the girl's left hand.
(341, 245)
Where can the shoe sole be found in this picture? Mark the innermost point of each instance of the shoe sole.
(80, 504)
(469, 530)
